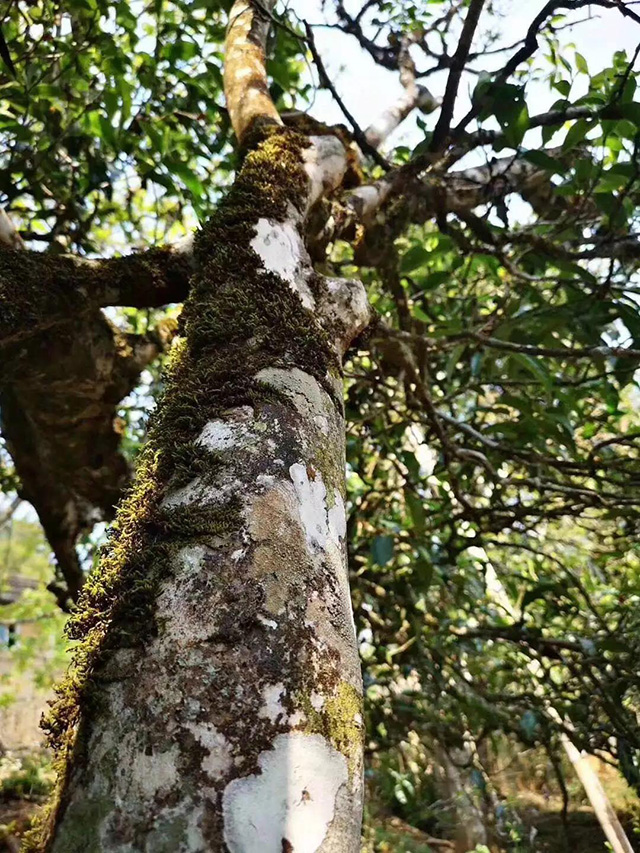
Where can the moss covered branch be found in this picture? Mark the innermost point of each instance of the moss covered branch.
(39, 291)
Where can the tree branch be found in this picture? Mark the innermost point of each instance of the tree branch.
(530, 45)
(457, 67)
(413, 96)
(38, 291)
(358, 133)
(246, 85)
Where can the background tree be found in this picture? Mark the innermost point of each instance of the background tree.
(491, 423)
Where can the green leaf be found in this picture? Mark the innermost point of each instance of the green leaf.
(581, 63)
(576, 134)
(518, 126)
(188, 177)
(535, 366)
(424, 569)
(382, 549)
(611, 181)
(631, 111)
(414, 258)
(415, 505)
(563, 86)
(542, 591)
(612, 644)
(545, 161)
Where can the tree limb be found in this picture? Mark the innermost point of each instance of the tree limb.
(38, 291)
(530, 45)
(358, 134)
(64, 370)
(414, 96)
(246, 85)
(457, 67)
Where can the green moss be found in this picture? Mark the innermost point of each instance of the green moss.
(38, 289)
(199, 522)
(338, 721)
(188, 461)
(332, 471)
(238, 320)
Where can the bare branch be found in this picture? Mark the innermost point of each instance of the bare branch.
(245, 76)
(457, 67)
(358, 133)
(413, 96)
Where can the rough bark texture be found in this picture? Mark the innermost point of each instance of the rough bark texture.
(215, 699)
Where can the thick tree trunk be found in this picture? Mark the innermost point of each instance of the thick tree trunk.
(215, 701)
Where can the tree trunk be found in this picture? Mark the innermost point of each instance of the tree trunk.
(215, 699)
(455, 766)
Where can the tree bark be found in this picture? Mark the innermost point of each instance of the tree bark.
(214, 703)
(62, 377)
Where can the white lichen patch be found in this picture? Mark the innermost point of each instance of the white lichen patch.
(281, 250)
(218, 435)
(347, 310)
(199, 491)
(219, 759)
(337, 517)
(181, 618)
(323, 526)
(193, 835)
(272, 707)
(296, 719)
(325, 164)
(304, 391)
(292, 798)
(152, 774)
(265, 479)
(317, 700)
(322, 423)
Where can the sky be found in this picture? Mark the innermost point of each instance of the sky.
(367, 88)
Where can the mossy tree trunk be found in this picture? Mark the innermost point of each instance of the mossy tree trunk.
(214, 703)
